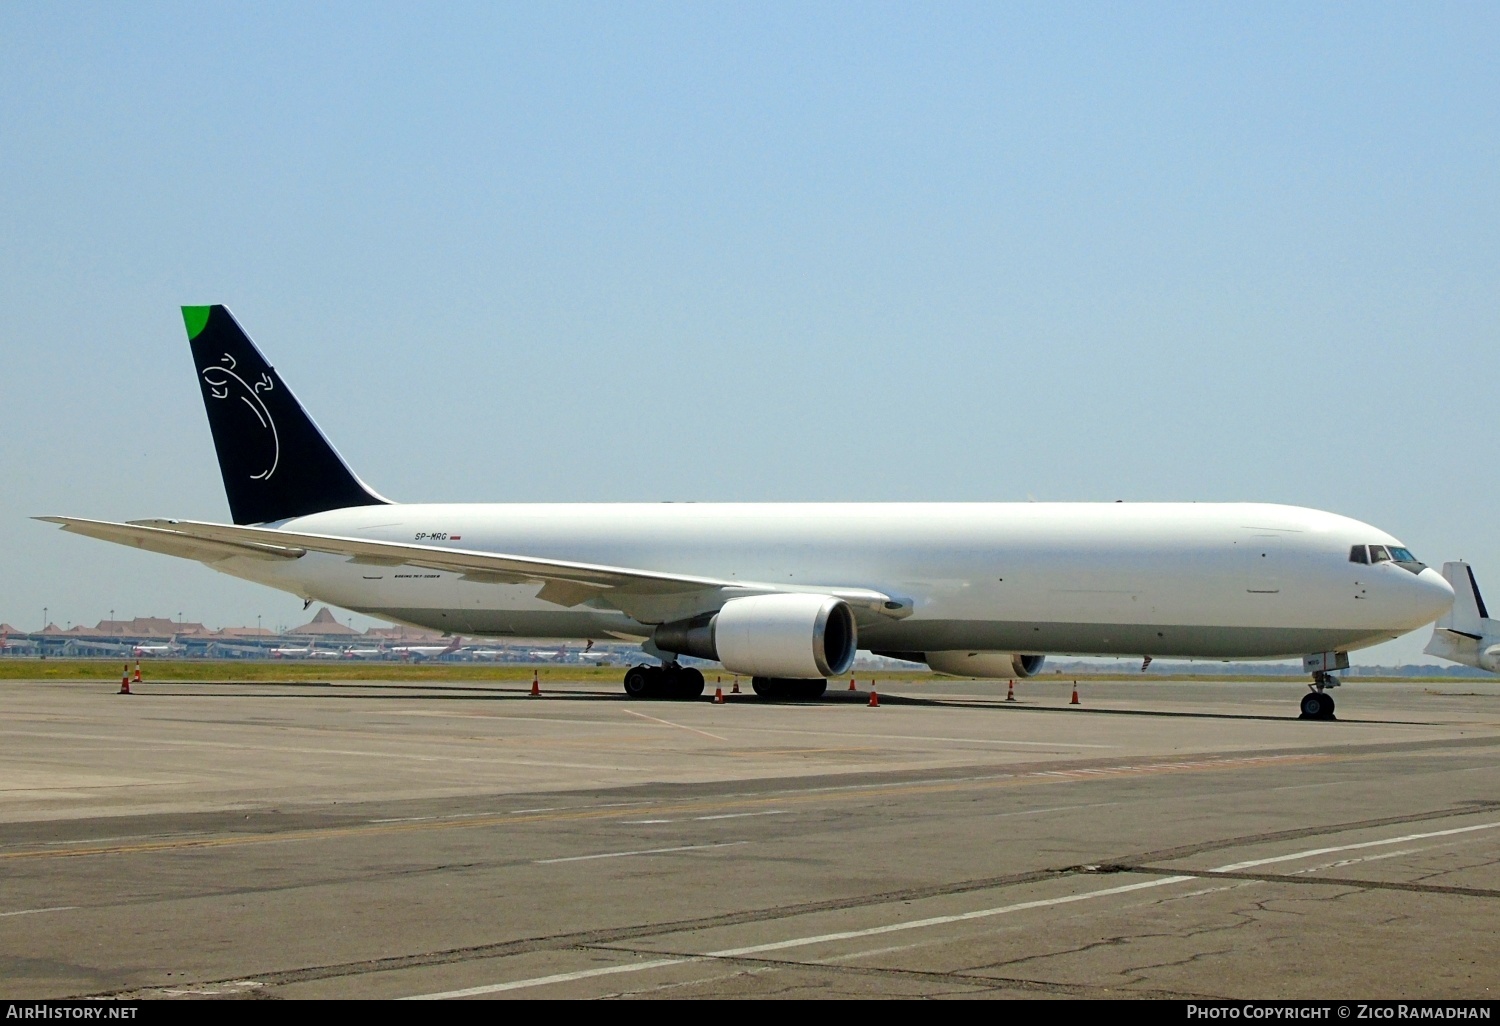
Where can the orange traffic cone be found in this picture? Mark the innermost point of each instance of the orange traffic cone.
(851, 684)
(1075, 695)
(536, 686)
(137, 678)
(1010, 692)
(125, 680)
(718, 696)
(736, 689)
(874, 699)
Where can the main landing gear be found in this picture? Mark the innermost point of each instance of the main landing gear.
(669, 680)
(788, 689)
(1317, 704)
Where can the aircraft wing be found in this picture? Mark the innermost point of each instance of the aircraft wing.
(564, 583)
(173, 543)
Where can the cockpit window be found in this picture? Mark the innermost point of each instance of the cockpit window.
(1357, 555)
(1378, 554)
(1403, 556)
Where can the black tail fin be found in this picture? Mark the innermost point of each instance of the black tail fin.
(275, 461)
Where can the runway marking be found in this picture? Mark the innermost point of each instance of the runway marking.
(285, 749)
(1236, 867)
(960, 917)
(644, 851)
(669, 723)
(860, 735)
(799, 942)
(581, 808)
(1341, 863)
(231, 987)
(1055, 808)
(39, 911)
(541, 981)
(742, 815)
(404, 819)
(780, 797)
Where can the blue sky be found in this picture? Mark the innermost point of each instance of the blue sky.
(840, 251)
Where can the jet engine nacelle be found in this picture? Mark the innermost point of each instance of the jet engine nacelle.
(797, 636)
(1489, 659)
(985, 664)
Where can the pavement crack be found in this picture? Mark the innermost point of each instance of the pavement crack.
(969, 980)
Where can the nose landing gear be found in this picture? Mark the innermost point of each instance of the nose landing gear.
(1317, 704)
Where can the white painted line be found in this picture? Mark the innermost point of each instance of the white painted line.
(232, 987)
(403, 819)
(579, 808)
(1341, 863)
(634, 822)
(965, 740)
(861, 735)
(742, 815)
(1235, 867)
(917, 924)
(1055, 808)
(645, 851)
(542, 981)
(37, 911)
(669, 723)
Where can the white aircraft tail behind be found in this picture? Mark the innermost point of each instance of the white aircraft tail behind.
(1467, 634)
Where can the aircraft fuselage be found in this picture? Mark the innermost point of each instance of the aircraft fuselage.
(1205, 580)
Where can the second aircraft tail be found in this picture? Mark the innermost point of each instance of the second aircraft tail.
(1466, 634)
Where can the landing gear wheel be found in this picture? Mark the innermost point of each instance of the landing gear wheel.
(811, 690)
(1317, 705)
(690, 683)
(642, 681)
(786, 689)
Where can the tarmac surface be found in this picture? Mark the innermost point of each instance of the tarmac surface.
(385, 840)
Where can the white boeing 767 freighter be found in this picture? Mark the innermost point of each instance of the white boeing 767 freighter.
(786, 593)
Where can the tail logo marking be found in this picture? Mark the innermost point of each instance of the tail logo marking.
(222, 381)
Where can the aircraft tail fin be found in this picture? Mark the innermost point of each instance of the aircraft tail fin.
(276, 463)
(1466, 634)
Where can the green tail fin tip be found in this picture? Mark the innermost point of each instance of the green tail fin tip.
(195, 317)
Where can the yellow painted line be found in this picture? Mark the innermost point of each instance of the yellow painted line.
(684, 808)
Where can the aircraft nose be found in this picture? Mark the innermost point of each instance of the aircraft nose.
(1433, 594)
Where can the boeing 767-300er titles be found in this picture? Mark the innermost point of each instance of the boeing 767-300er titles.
(786, 593)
